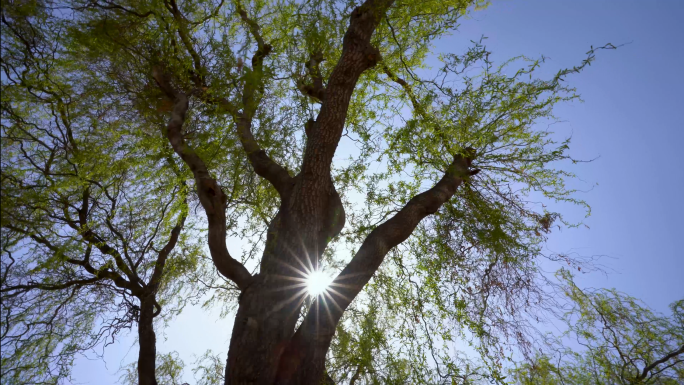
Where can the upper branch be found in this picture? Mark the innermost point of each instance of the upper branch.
(211, 196)
(398, 228)
(91, 237)
(18, 289)
(417, 107)
(155, 280)
(112, 6)
(163, 254)
(358, 55)
(252, 92)
(184, 34)
(662, 360)
(316, 89)
(263, 165)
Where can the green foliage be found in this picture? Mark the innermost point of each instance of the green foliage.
(620, 340)
(84, 121)
(83, 206)
(470, 272)
(209, 369)
(169, 370)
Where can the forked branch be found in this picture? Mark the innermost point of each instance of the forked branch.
(315, 89)
(358, 55)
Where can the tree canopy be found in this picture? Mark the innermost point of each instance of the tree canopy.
(620, 340)
(138, 136)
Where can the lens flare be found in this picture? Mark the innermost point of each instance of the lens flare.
(317, 282)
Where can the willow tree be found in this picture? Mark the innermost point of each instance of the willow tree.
(619, 341)
(95, 230)
(426, 217)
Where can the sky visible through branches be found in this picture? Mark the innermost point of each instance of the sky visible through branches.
(629, 120)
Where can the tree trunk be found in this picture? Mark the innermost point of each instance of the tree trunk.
(265, 349)
(269, 307)
(147, 342)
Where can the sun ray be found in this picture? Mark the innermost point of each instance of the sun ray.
(301, 286)
(300, 294)
(307, 269)
(327, 309)
(291, 278)
(331, 290)
(337, 306)
(304, 273)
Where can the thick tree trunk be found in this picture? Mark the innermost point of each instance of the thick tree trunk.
(264, 347)
(147, 342)
(270, 306)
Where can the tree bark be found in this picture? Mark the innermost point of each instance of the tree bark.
(147, 341)
(303, 362)
(264, 348)
(270, 305)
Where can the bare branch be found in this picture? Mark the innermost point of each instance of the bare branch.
(18, 289)
(664, 359)
(164, 254)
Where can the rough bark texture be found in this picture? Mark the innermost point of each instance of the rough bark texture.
(308, 218)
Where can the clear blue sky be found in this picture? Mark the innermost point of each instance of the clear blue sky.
(631, 118)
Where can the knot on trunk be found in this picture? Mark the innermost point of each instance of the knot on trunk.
(210, 190)
(371, 55)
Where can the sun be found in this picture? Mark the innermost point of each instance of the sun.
(317, 282)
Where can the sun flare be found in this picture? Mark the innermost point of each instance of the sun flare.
(317, 282)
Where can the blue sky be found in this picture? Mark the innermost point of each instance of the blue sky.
(630, 118)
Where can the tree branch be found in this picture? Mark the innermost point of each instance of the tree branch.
(211, 196)
(358, 55)
(315, 90)
(183, 32)
(263, 165)
(155, 280)
(64, 285)
(417, 107)
(89, 235)
(111, 5)
(667, 357)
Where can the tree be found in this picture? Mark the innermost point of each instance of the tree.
(95, 234)
(621, 341)
(239, 108)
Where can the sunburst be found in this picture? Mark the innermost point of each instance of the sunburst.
(317, 282)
